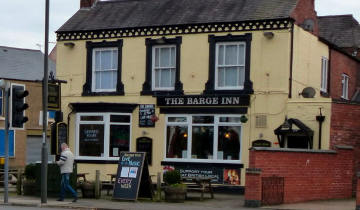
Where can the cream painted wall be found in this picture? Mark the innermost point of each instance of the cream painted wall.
(270, 70)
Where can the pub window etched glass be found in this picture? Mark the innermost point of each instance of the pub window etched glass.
(176, 141)
(119, 139)
(202, 142)
(91, 141)
(229, 142)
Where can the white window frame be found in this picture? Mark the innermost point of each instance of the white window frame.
(241, 87)
(93, 77)
(324, 74)
(153, 68)
(189, 125)
(106, 122)
(345, 86)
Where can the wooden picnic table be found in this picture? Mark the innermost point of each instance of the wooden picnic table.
(109, 185)
(81, 175)
(202, 184)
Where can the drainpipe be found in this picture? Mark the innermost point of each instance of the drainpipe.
(291, 59)
(320, 118)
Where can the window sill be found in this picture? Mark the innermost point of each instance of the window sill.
(103, 93)
(162, 92)
(324, 94)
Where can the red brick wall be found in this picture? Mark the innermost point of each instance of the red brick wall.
(344, 130)
(307, 175)
(305, 9)
(339, 64)
(86, 3)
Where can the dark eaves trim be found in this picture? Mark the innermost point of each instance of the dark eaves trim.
(333, 46)
(249, 25)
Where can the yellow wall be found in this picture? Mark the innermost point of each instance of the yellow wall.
(270, 71)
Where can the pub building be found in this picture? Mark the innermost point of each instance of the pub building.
(195, 84)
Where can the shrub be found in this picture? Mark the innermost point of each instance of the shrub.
(30, 172)
(172, 177)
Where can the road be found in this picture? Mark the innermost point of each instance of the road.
(25, 207)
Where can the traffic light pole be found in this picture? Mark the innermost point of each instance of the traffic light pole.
(6, 166)
(44, 148)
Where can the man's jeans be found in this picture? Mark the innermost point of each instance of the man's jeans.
(65, 186)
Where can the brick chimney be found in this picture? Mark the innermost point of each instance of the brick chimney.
(86, 3)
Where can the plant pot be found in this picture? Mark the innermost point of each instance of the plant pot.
(175, 194)
(87, 190)
(29, 187)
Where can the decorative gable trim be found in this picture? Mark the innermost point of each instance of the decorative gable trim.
(253, 25)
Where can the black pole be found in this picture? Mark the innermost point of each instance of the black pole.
(44, 149)
(320, 118)
(6, 166)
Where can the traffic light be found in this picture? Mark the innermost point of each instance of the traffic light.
(18, 105)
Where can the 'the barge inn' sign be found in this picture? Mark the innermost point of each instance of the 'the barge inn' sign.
(201, 100)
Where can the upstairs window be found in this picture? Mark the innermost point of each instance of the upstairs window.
(324, 74)
(103, 71)
(162, 75)
(230, 65)
(345, 86)
(164, 67)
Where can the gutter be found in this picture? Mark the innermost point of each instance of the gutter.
(291, 59)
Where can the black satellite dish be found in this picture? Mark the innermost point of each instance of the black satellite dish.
(308, 92)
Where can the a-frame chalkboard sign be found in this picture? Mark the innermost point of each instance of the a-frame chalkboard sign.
(132, 176)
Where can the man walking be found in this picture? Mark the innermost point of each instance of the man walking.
(66, 167)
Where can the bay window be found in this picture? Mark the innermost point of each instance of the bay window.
(214, 138)
(102, 135)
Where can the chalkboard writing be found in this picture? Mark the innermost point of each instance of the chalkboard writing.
(144, 144)
(61, 136)
(130, 175)
(146, 112)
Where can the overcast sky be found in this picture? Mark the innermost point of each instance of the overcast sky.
(22, 21)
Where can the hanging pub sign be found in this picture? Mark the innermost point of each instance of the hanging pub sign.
(61, 136)
(146, 113)
(54, 96)
(132, 179)
(204, 100)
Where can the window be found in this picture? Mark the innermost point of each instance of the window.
(203, 138)
(103, 74)
(345, 86)
(229, 65)
(104, 69)
(102, 136)
(162, 67)
(324, 74)
(1, 103)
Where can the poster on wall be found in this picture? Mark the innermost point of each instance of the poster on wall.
(217, 174)
(146, 112)
(132, 175)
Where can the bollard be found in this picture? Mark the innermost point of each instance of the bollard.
(158, 187)
(97, 185)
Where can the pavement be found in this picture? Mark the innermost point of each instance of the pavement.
(221, 201)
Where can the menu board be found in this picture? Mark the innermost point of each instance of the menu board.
(146, 112)
(61, 136)
(131, 173)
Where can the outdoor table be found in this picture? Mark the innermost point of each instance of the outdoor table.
(202, 184)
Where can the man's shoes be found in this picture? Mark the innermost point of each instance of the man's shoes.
(75, 199)
(60, 199)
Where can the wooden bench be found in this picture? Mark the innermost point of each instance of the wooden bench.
(202, 185)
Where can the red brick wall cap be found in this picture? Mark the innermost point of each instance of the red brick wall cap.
(346, 147)
(291, 150)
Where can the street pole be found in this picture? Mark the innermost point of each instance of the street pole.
(44, 148)
(6, 166)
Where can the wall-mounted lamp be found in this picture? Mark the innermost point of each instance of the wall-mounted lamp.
(269, 34)
(69, 44)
